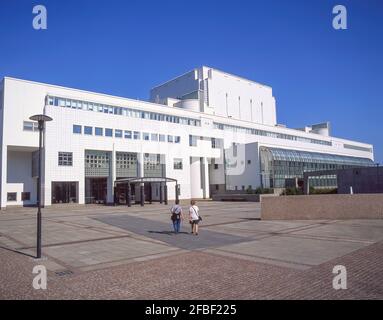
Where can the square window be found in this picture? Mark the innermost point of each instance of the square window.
(65, 159)
(216, 166)
(145, 136)
(98, 131)
(170, 139)
(88, 130)
(118, 133)
(248, 161)
(162, 137)
(25, 196)
(11, 196)
(177, 139)
(77, 129)
(136, 135)
(128, 134)
(154, 137)
(108, 132)
(177, 164)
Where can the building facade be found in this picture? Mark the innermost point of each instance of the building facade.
(208, 130)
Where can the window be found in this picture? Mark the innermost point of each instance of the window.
(136, 135)
(235, 149)
(118, 133)
(248, 161)
(192, 141)
(215, 166)
(162, 138)
(88, 130)
(128, 134)
(98, 131)
(170, 138)
(177, 139)
(122, 111)
(217, 187)
(30, 126)
(65, 158)
(11, 196)
(177, 164)
(25, 196)
(77, 129)
(154, 137)
(108, 132)
(145, 136)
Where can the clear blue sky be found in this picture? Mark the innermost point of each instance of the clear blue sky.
(126, 47)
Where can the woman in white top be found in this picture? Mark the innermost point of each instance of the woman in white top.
(194, 217)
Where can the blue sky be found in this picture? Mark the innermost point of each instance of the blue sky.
(126, 47)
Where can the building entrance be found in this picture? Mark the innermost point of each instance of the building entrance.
(95, 190)
(64, 192)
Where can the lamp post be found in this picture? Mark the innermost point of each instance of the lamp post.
(41, 119)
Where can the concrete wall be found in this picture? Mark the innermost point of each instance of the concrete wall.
(19, 177)
(332, 206)
(362, 180)
(232, 96)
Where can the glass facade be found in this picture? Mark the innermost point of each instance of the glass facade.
(97, 163)
(154, 165)
(280, 165)
(126, 164)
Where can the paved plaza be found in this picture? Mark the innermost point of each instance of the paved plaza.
(102, 252)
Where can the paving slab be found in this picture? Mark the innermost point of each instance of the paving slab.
(348, 231)
(294, 250)
(104, 251)
(163, 231)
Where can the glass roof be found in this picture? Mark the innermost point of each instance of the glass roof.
(314, 157)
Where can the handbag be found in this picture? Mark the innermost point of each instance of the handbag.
(198, 215)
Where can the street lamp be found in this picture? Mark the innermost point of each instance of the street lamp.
(41, 119)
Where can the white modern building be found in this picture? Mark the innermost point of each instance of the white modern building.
(206, 131)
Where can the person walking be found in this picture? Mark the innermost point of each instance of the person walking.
(194, 217)
(176, 216)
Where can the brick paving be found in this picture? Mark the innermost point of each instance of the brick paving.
(198, 275)
(109, 262)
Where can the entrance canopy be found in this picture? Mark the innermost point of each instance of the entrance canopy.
(145, 179)
(142, 181)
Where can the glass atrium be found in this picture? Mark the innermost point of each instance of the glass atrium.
(279, 165)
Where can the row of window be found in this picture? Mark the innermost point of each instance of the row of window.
(272, 134)
(128, 112)
(127, 134)
(123, 160)
(12, 196)
(353, 147)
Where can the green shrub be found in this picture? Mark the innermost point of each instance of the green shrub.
(292, 191)
(323, 191)
(260, 190)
